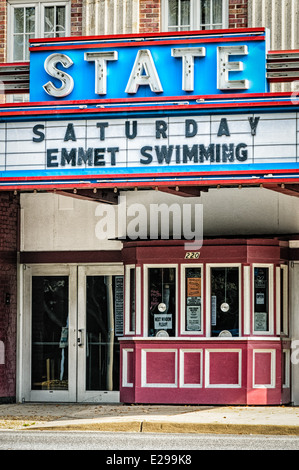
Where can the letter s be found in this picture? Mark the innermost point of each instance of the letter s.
(66, 80)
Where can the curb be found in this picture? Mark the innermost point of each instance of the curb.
(166, 427)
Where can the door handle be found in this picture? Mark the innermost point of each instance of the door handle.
(80, 339)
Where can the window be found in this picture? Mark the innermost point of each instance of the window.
(284, 314)
(161, 301)
(37, 19)
(186, 15)
(192, 307)
(263, 298)
(225, 301)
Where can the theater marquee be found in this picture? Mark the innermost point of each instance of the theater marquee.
(174, 108)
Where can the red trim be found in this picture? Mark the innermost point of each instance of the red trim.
(149, 99)
(42, 112)
(15, 64)
(149, 35)
(144, 43)
(152, 175)
(153, 184)
(292, 51)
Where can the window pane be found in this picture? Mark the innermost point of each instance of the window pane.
(193, 299)
(217, 12)
(261, 299)
(18, 48)
(225, 301)
(173, 13)
(18, 20)
(50, 337)
(60, 21)
(49, 26)
(30, 20)
(205, 12)
(162, 303)
(185, 12)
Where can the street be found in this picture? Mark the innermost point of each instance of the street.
(105, 441)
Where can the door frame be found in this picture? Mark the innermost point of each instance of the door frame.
(77, 295)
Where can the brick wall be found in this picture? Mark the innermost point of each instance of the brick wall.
(76, 17)
(9, 210)
(238, 13)
(3, 23)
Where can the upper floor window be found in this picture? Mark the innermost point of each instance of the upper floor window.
(186, 15)
(32, 20)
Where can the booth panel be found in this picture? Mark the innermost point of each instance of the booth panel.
(203, 372)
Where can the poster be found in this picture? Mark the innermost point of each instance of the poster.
(260, 321)
(119, 305)
(163, 321)
(193, 287)
(193, 318)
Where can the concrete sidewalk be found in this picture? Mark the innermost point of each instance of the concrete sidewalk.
(151, 418)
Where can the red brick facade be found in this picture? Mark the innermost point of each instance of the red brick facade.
(9, 216)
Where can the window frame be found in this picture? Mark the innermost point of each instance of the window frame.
(270, 331)
(209, 267)
(184, 331)
(146, 268)
(128, 324)
(195, 14)
(39, 20)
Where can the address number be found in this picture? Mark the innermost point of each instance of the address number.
(192, 255)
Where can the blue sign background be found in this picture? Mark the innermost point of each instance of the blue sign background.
(169, 70)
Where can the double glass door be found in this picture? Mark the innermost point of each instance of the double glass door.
(73, 316)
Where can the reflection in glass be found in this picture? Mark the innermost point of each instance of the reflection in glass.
(225, 300)
(178, 15)
(102, 346)
(261, 299)
(162, 300)
(54, 21)
(24, 29)
(50, 332)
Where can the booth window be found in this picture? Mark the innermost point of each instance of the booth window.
(261, 298)
(36, 19)
(161, 301)
(193, 299)
(225, 305)
(186, 15)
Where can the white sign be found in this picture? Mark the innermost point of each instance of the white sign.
(196, 141)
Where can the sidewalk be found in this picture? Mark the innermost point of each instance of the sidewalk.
(151, 418)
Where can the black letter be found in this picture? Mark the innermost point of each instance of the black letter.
(207, 154)
(70, 133)
(127, 130)
(50, 158)
(164, 153)
(193, 131)
(144, 153)
(223, 128)
(228, 153)
(98, 156)
(37, 132)
(113, 151)
(190, 154)
(69, 157)
(253, 124)
(102, 126)
(84, 156)
(161, 128)
(241, 156)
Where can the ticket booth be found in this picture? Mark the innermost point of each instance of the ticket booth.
(205, 327)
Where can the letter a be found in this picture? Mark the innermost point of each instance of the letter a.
(144, 72)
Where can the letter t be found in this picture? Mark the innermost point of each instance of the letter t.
(188, 55)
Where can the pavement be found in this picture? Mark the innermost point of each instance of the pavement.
(118, 417)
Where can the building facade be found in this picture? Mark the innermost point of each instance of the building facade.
(133, 315)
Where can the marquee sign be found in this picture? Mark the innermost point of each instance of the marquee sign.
(205, 63)
(174, 108)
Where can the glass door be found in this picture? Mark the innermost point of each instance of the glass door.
(72, 318)
(100, 322)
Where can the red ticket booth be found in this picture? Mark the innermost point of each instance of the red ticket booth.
(205, 327)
